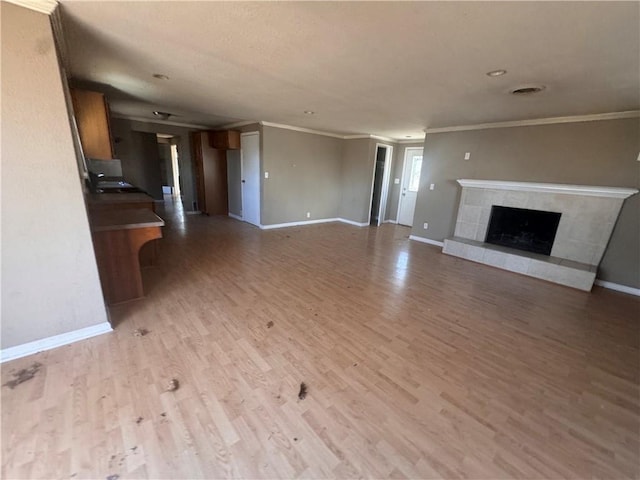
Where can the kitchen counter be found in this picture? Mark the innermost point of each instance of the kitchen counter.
(118, 236)
(124, 219)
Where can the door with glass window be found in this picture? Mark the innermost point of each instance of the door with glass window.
(410, 183)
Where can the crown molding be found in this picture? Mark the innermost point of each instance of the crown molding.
(42, 6)
(161, 122)
(300, 129)
(409, 141)
(539, 121)
(238, 124)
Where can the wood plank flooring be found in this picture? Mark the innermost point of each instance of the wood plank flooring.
(418, 365)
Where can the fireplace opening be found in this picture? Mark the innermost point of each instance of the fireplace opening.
(528, 230)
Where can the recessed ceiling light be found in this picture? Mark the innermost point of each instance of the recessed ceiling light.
(309, 112)
(527, 89)
(163, 115)
(160, 76)
(496, 73)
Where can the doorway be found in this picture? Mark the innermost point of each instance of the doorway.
(380, 186)
(250, 174)
(410, 184)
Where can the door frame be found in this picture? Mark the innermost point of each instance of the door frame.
(242, 216)
(404, 166)
(388, 158)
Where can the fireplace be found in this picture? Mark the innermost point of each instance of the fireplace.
(573, 241)
(523, 229)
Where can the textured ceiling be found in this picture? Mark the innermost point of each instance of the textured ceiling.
(385, 68)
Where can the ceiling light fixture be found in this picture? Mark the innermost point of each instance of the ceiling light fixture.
(496, 73)
(163, 115)
(160, 76)
(309, 112)
(527, 89)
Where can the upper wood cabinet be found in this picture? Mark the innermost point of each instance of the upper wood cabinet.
(225, 139)
(92, 116)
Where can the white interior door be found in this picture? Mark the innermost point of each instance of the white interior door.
(410, 183)
(250, 155)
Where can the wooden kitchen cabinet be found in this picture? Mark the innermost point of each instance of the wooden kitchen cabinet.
(92, 116)
(224, 139)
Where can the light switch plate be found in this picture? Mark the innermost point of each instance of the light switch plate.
(266, 174)
(396, 181)
(467, 155)
(432, 186)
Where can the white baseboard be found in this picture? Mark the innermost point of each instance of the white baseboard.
(312, 222)
(192, 212)
(426, 240)
(351, 222)
(390, 221)
(297, 224)
(48, 343)
(233, 215)
(617, 287)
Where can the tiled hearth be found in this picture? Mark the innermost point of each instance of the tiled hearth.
(588, 216)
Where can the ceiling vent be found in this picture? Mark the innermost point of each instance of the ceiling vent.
(527, 89)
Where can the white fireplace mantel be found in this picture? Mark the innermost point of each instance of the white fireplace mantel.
(588, 190)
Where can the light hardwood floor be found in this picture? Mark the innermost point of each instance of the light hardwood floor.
(419, 365)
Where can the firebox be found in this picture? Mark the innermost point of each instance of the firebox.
(528, 230)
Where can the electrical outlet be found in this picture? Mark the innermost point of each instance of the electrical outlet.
(308, 214)
(426, 225)
(396, 181)
(467, 155)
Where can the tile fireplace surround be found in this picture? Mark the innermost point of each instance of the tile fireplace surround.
(588, 216)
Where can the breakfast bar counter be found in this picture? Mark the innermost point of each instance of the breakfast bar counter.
(118, 236)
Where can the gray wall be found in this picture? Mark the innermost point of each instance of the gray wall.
(234, 178)
(185, 163)
(166, 171)
(356, 175)
(138, 152)
(585, 153)
(304, 176)
(50, 283)
(396, 172)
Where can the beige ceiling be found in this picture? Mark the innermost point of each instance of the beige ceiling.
(384, 68)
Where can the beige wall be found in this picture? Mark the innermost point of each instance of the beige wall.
(50, 282)
(304, 176)
(584, 153)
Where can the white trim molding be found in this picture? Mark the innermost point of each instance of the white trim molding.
(49, 343)
(586, 190)
(233, 215)
(426, 240)
(300, 129)
(351, 222)
(538, 121)
(617, 287)
(238, 124)
(297, 224)
(43, 6)
(313, 222)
